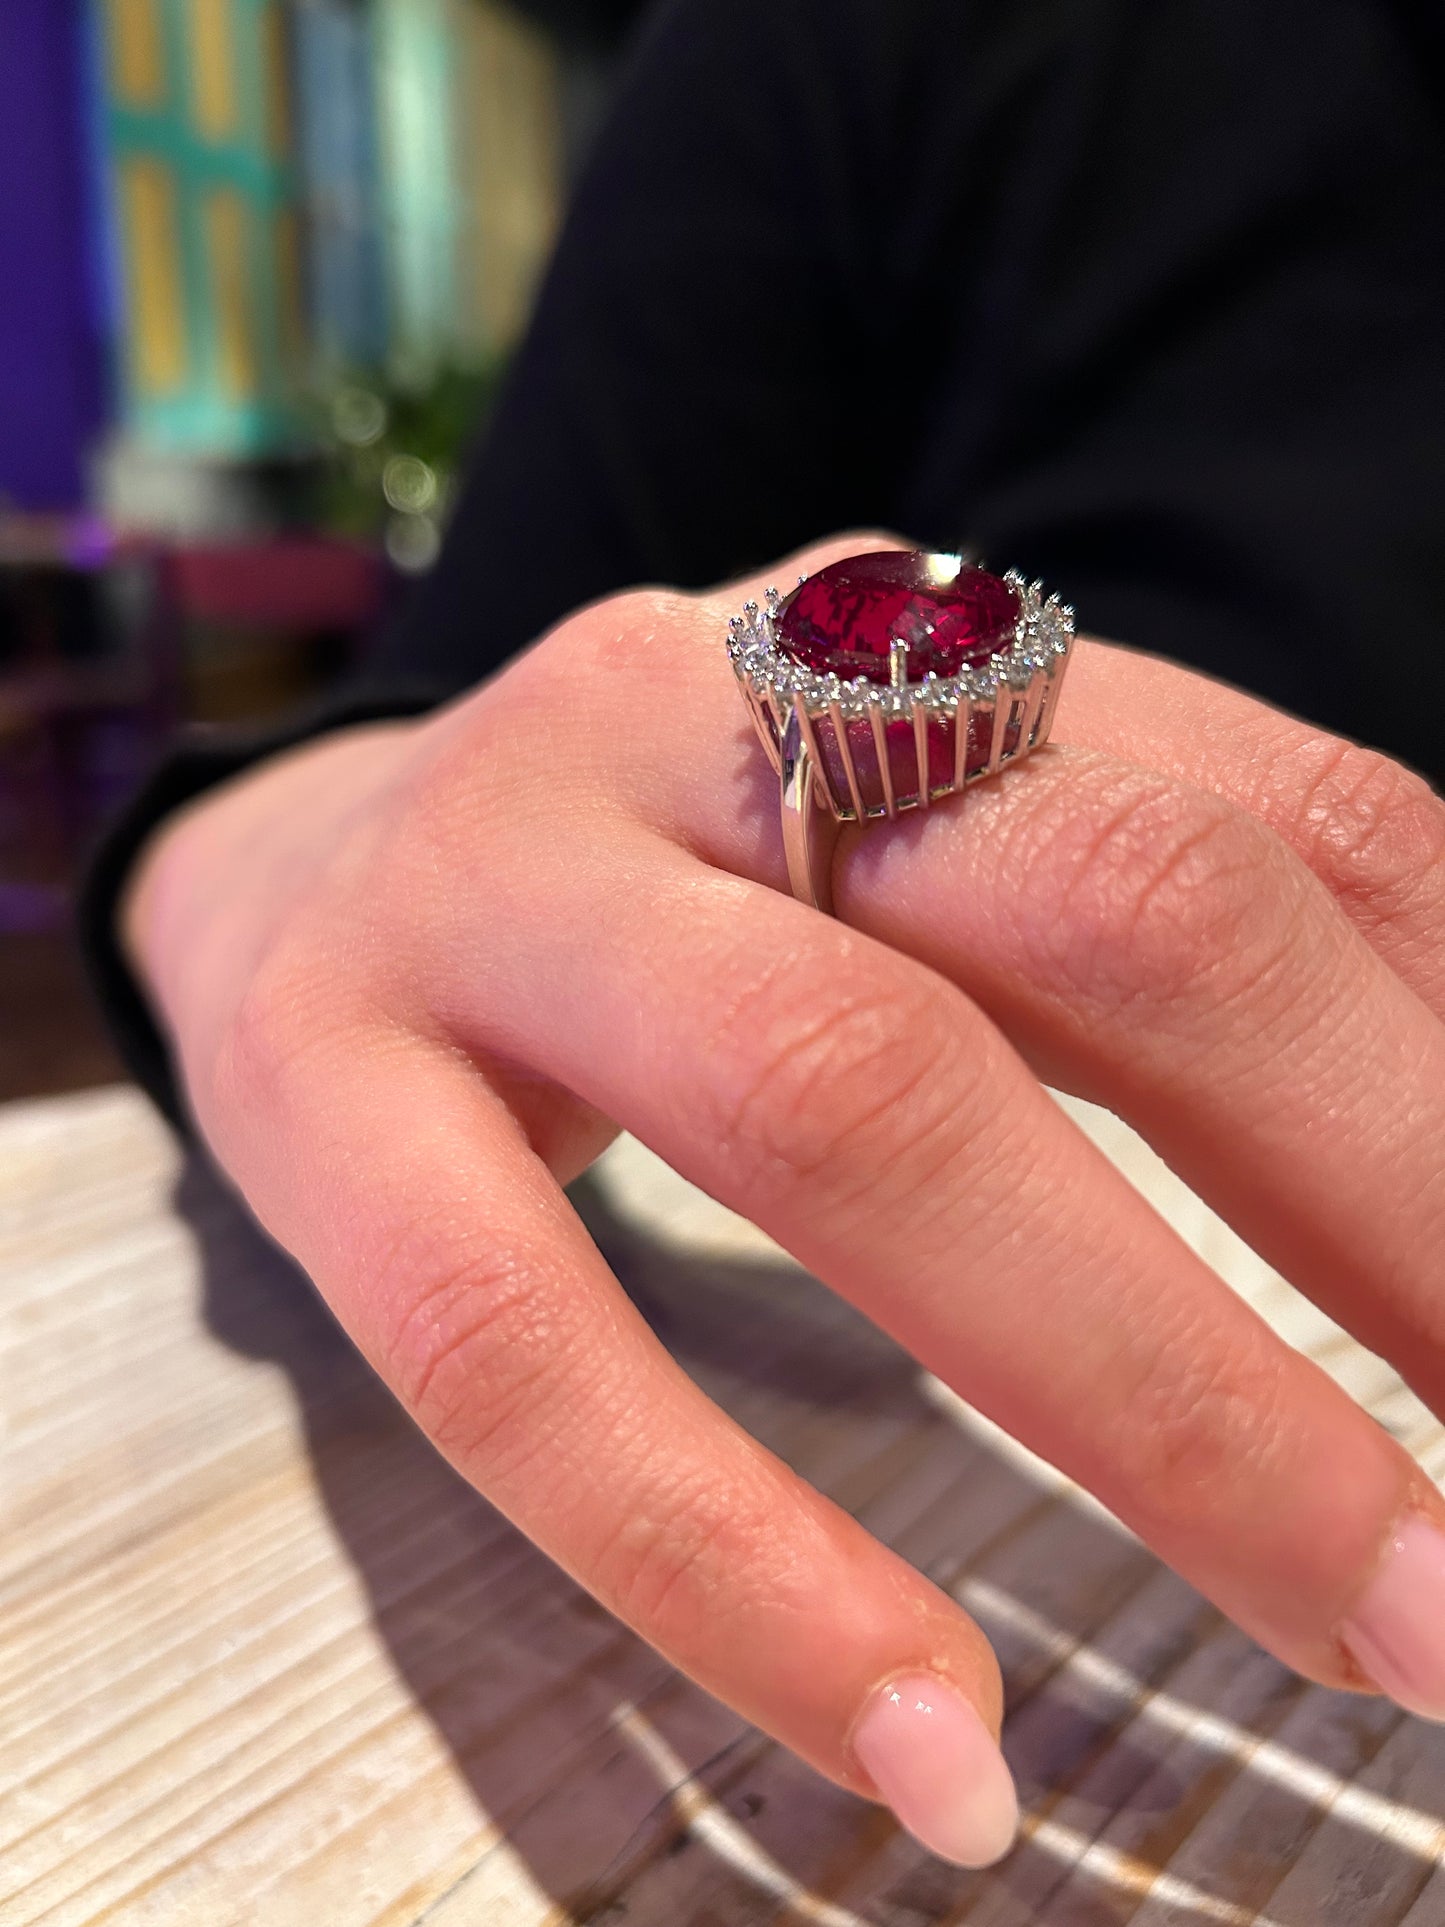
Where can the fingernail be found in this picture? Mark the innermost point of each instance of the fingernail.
(1397, 1631)
(935, 1763)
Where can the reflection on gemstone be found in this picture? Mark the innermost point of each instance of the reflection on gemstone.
(845, 619)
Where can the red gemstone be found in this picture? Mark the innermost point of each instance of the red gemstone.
(846, 618)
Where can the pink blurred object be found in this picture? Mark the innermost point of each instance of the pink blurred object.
(287, 582)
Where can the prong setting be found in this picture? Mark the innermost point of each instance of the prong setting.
(1019, 685)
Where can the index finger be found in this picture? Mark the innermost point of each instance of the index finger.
(451, 1256)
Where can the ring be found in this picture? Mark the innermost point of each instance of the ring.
(887, 681)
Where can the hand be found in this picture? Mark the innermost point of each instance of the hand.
(417, 974)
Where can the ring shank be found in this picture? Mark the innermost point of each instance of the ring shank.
(810, 832)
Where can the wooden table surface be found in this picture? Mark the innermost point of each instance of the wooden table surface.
(263, 1659)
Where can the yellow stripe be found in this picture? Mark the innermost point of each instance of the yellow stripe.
(137, 53)
(227, 222)
(157, 316)
(508, 164)
(213, 68)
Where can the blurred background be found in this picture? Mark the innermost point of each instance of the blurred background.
(264, 262)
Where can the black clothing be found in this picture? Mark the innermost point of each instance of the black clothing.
(1145, 297)
(1148, 299)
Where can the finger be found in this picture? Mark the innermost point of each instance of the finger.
(445, 1247)
(1162, 953)
(1146, 945)
(1370, 829)
(870, 1118)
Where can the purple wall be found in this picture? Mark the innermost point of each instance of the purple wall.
(52, 348)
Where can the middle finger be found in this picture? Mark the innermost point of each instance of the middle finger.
(1164, 952)
(867, 1114)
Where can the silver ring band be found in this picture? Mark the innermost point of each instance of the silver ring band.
(810, 832)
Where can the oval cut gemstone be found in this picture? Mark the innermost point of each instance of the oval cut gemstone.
(948, 615)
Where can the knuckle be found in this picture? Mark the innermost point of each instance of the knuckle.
(601, 656)
(635, 630)
(820, 1074)
(1372, 828)
(1201, 1428)
(465, 1343)
(265, 1041)
(670, 1568)
(1158, 891)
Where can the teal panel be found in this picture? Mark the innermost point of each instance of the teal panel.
(203, 417)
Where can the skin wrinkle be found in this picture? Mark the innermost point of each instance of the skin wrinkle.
(818, 1089)
(1003, 1193)
(1034, 956)
(1376, 827)
(540, 1327)
(1296, 779)
(1285, 1024)
(640, 1457)
(710, 1543)
(1206, 1425)
(1186, 1061)
(434, 1351)
(926, 1030)
(1154, 1348)
(1128, 895)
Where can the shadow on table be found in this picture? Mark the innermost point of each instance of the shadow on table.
(537, 1691)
